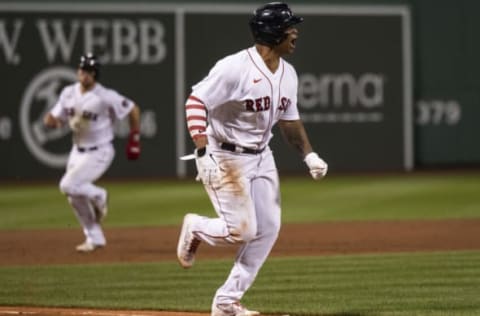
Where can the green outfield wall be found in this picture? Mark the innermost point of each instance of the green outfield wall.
(383, 85)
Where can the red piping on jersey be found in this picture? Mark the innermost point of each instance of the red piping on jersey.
(280, 83)
(271, 86)
(271, 93)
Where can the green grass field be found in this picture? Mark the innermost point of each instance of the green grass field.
(342, 198)
(441, 283)
(416, 284)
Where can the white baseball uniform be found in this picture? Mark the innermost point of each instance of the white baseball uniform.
(244, 99)
(91, 116)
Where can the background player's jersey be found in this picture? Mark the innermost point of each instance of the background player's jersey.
(245, 99)
(91, 114)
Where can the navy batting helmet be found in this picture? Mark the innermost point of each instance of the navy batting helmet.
(269, 23)
(89, 62)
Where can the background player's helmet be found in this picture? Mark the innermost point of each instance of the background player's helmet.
(89, 62)
(269, 23)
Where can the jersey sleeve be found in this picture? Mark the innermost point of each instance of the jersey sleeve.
(216, 88)
(57, 110)
(291, 113)
(120, 105)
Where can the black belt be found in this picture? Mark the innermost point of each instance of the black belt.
(85, 149)
(238, 149)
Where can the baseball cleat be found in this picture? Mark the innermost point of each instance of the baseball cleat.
(100, 207)
(187, 242)
(233, 309)
(87, 247)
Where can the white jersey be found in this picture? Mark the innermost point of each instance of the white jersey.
(91, 115)
(244, 99)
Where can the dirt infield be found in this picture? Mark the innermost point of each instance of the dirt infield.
(150, 244)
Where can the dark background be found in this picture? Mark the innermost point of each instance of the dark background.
(445, 86)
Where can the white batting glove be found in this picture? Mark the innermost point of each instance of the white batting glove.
(207, 168)
(77, 123)
(318, 167)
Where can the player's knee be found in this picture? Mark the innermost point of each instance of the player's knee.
(67, 187)
(244, 232)
(249, 234)
(271, 229)
(273, 232)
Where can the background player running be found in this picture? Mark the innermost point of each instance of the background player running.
(90, 109)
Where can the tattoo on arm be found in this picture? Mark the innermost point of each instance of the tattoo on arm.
(295, 134)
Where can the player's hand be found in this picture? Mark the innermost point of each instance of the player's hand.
(133, 145)
(207, 167)
(77, 123)
(318, 167)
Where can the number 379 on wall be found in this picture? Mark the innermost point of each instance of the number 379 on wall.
(438, 112)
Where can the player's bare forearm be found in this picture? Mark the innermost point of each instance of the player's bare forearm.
(51, 122)
(134, 118)
(295, 134)
(200, 141)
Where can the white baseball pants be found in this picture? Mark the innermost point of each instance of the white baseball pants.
(84, 168)
(248, 206)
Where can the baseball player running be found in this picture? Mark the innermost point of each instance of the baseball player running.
(90, 109)
(230, 115)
